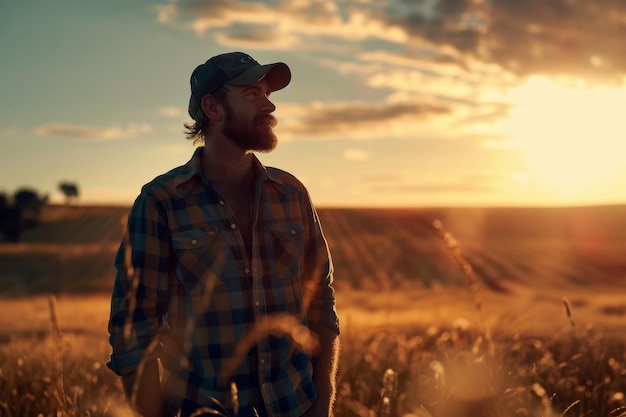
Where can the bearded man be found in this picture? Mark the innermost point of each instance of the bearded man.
(223, 297)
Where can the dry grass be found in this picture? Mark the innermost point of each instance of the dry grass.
(453, 370)
(456, 371)
(40, 377)
(438, 370)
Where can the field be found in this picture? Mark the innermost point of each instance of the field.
(462, 312)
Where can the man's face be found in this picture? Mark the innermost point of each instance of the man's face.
(248, 121)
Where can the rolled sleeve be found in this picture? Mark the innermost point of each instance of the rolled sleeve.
(126, 363)
(322, 306)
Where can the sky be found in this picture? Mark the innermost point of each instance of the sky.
(395, 103)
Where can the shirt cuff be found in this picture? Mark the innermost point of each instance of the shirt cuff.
(127, 363)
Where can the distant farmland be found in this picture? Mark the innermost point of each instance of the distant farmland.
(72, 249)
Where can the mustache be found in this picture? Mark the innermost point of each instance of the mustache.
(268, 119)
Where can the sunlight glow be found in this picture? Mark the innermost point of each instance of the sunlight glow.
(572, 138)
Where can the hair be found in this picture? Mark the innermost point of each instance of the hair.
(199, 130)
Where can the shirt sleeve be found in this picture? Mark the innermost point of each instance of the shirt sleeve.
(140, 297)
(319, 293)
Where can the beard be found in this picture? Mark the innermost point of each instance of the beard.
(257, 135)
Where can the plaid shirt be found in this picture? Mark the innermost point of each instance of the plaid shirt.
(184, 278)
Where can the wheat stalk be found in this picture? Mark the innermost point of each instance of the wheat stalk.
(470, 278)
(570, 407)
(568, 311)
(621, 410)
(277, 325)
(57, 337)
(388, 393)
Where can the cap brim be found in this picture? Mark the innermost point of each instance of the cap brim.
(278, 76)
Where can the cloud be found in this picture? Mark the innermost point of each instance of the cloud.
(358, 120)
(444, 188)
(429, 84)
(353, 154)
(558, 37)
(431, 69)
(258, 37)
(501, 144)
(436, 76)
(291, 19)
(9, 131)
(408, 184)
(399, 116)
(460, 186)
(93, 133)
(170, 111)
(166, 12)
(387, 178)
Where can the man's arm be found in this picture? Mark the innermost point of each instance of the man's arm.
(322, 317)
(138, 303)
(325, 371)
(147, 401)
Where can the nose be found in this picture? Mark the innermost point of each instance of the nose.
(268, 106)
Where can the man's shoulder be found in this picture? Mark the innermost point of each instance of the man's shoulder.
(287, 179)
(165, 185)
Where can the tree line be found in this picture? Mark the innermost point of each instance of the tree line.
(21, 210)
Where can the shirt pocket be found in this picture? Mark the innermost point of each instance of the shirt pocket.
(200, 258)
(287, 242)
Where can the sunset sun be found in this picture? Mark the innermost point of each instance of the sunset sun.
(571, 138)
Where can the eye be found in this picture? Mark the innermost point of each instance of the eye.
(256, 93)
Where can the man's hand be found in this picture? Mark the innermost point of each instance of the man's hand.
(147, 401)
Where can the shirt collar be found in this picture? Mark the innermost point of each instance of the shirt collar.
(193, 168)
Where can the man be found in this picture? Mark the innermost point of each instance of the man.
(222, 266)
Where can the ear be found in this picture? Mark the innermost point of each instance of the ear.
(211, 108)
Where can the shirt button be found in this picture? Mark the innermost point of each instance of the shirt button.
(221, 202)
(194, 242)
(233, 226)
(256, 303)
(247, 270)
(293, 231)
(262, 385)
(262, 362)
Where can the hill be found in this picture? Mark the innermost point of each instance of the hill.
(392, 259)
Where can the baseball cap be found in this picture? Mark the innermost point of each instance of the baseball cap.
(234, 68)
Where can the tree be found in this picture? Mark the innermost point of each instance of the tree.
(10, 223)
(20, 212)
(26, 198)
(29, 203)
(69, 190)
